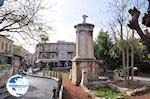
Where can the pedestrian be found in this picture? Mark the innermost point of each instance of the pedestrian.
(59, 83)
(58, 91)
(54, 93)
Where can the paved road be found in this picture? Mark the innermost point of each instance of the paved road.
(40, 88)
(142, 79)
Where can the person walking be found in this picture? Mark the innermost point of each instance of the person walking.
(54, 93)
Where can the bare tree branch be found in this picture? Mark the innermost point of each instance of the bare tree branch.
(22, 18)
(134, 24)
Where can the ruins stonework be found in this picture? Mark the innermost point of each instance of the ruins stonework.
(85, 67)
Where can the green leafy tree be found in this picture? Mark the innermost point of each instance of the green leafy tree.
(131, 45)
(44, 38)
(104, 49)
(17, 50)
(44, 35)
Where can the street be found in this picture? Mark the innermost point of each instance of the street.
(40, 88)
(142, 79)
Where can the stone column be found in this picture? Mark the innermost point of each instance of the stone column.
(84, 41)
(84, 59)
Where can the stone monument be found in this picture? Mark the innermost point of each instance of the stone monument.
(84, 63)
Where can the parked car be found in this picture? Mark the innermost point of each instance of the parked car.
(34, 70)
(136, 71)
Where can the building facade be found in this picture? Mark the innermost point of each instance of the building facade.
(6, 50)
(22, 56)
(57, 54)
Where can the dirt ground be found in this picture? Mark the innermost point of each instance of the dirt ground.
(73, 92)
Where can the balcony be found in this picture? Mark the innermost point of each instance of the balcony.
(8, 52)
(48, 50)
(47, 59)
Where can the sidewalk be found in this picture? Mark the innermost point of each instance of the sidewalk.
(73, 92)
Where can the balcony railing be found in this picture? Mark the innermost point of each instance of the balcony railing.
(48, 50)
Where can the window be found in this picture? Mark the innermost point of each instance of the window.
(10, 48)
(6, 46)
(42, 55)
(2, 45)
(53, 56)
(56, 48)
(70, 55)
(43, 48)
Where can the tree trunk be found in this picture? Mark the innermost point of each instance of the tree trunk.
(127, 70)
(123, 53)
(124, 64)
(140, 32)
(132, 56)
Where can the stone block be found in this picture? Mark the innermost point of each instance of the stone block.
(91, 67)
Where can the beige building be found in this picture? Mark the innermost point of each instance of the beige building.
(55, 54)
(6, 50)
(22, 56)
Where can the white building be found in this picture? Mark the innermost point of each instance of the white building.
(55, 54)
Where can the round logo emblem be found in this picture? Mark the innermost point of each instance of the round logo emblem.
(17, 85)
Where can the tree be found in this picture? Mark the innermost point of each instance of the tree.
(22, 17)
(103, 49)
(132, 56)
(134, 24)
(44, 38)
(119, 10)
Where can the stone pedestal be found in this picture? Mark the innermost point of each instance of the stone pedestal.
(84, 61)
(90, 67)
(84, 80)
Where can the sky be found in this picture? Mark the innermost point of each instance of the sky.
(64, 14)
(69, 13)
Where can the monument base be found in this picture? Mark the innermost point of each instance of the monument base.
(90, 68)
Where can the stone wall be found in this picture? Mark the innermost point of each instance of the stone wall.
(5, 73)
